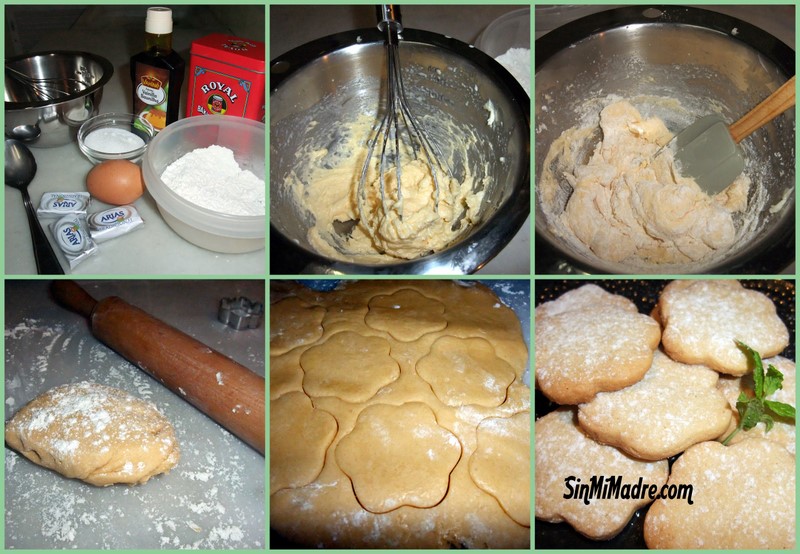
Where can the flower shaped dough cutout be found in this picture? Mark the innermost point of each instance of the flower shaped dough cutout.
(349, 366)
(406, 314)
(501, 463)
(398, 456)
(466, 371)
(293, 323)
(299, 438)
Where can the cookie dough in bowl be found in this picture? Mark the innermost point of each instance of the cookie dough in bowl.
(611, 90)
(326, 103)
(95, 433)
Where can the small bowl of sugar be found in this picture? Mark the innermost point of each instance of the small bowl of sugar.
(115, 136)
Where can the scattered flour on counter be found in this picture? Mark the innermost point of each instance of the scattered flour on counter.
(518, 62)
(211, 178)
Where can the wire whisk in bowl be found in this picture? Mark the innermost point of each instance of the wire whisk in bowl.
(48, 88)
(399, 142)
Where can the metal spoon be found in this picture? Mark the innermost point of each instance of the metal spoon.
(20, 168)
(25, 133)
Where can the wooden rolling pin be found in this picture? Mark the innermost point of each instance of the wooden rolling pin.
(224, 390)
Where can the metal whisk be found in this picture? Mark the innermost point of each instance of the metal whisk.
(398, 129)
(48, 88)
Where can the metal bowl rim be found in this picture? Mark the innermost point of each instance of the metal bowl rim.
(509, 217)
(108, 72)
(781, 248)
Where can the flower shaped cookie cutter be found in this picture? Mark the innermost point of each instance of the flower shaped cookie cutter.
(240, 313)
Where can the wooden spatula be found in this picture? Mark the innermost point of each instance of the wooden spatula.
(708, 149)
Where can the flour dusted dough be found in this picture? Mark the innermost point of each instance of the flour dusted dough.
(293, 323)
(503, 450)
(406, 314)
(398, 456)
(348, 365)
(298, 440)
(406, 467)
(466, 371)
(624, 204)
(95, 433)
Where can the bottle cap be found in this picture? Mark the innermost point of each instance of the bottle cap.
(159, 21)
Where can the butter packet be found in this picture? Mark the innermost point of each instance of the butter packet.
(57, 204)
(113, 223)
(72, 237)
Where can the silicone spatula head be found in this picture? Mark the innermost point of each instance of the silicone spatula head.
(706, 152)
(708, 149)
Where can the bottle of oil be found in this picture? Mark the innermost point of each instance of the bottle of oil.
(157, 73)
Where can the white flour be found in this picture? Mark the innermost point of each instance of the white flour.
(518, 62)
(211, 178)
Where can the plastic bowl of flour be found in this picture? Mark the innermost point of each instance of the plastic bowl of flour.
(115, 136)
(510, 30)
(220, 212)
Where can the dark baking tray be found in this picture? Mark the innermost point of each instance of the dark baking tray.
(644, 293)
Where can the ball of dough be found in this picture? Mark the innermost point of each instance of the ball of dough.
(95, 433)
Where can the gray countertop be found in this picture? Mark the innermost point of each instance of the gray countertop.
(116, 33)
(292, 26)
(213, 499)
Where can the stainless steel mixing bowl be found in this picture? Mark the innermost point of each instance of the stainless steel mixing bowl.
(336, 78)
(74, 81)
(706, 60)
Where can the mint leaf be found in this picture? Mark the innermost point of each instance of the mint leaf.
(758, 368)
(751, 413)
(773, 381)
(758, 409)
(780, 409)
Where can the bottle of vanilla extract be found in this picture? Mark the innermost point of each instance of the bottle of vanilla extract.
(157, 72)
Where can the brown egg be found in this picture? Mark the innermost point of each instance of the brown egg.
(115, 182)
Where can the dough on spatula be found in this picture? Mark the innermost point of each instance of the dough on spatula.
(95, 433)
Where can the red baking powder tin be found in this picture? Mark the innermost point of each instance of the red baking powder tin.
(227, 77)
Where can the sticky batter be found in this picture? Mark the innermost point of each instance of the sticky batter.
(398, 228)
(623, 205)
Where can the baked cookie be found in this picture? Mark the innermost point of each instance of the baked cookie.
(703, 319)
(589, 341)
(742, 497)
(95, 433)
(567, 459)
(783, 431)
(673, 407)
(423, 383)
